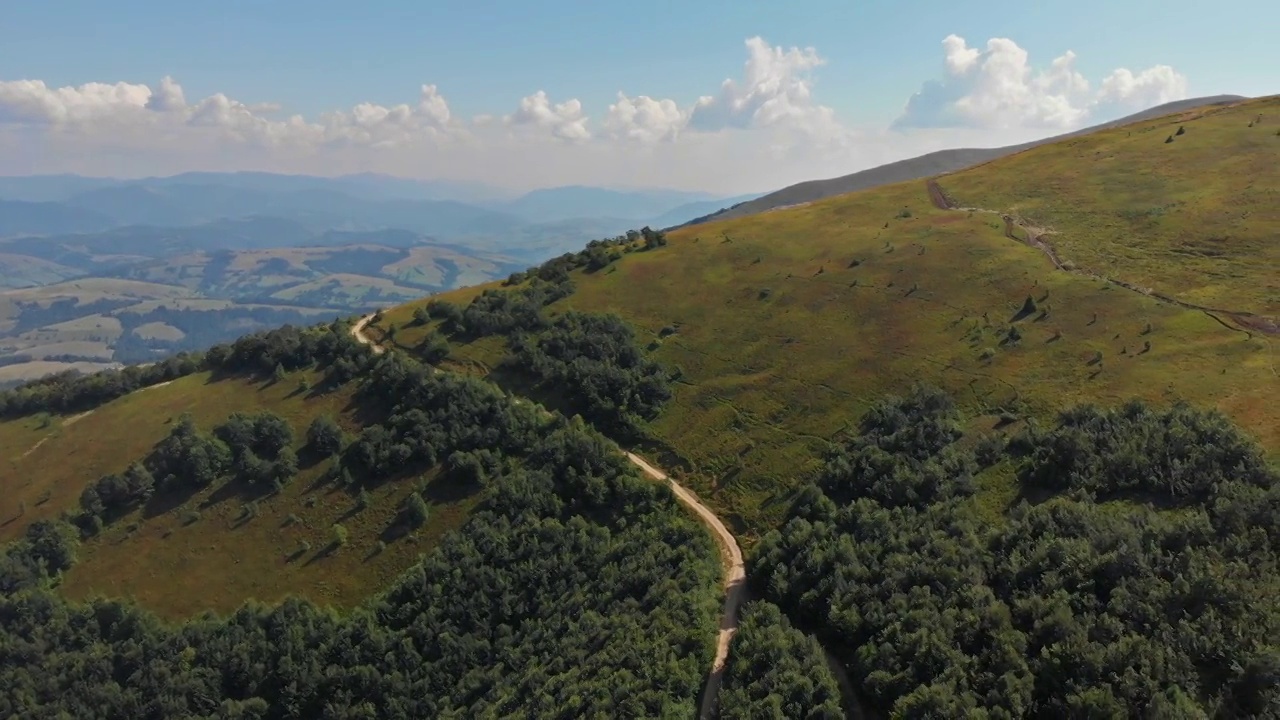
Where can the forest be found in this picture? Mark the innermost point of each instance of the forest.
(1134, 573)
(577, 588)
(1134, 576)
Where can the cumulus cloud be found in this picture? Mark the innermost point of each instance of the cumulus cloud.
(776, 90)
(997, 88)
(1153, 86)
(764, 128)
(645, 120)
(563, 120)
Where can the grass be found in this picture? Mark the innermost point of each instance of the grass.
(177, 567)
(1196, 218)
(769, 378)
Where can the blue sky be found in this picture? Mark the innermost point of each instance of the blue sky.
(322, 55)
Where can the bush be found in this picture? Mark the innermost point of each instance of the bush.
(416, 510)
(339, 535)
(324, 436)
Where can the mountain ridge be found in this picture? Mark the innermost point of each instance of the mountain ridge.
(934, 163)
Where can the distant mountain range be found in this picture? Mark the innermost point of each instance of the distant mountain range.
(86, 262)
(54, 204)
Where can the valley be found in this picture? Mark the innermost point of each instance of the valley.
(232, 253)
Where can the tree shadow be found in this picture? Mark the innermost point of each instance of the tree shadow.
(323, 553)
(168, 501)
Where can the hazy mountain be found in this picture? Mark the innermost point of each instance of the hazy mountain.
(26, 217)
(576, 201)
(683, 213)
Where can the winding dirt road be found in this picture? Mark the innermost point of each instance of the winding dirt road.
(358, 332)
(1245, 321)
(735, 585)
(735, 579)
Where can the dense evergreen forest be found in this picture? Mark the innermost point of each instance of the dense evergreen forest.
(1136, 576)
(776, 672)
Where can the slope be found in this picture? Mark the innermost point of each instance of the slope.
(786, 326)
(734, 576)
(165, 555)
(933, 164)
(573, 588)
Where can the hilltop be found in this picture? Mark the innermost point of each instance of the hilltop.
(934, 163)
(803, 317)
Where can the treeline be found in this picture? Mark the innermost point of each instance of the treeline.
(246, 450)
(597, 255)
(595, 362)
(591, 362)
(577, 589)
(1074, 606)
(776, 672)
(289, 347)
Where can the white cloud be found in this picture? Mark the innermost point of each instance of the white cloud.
(563, 120)
(644, 120)
(776, 90)
(1153, 86)
(762, 129)
(997, 88)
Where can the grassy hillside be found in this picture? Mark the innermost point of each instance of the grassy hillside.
(536, 572)
(167, 557)
(1196, 218)
(931, 164)
(787, 325)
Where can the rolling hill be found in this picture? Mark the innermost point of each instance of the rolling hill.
(804, 317)
(933, 163)
(1003, 440)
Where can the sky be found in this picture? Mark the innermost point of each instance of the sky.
(714, 95)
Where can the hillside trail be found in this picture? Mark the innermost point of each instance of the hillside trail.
(731, 554)
(1244, 321)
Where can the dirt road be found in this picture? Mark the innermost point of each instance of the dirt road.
(735, 576)
(358, 332)
(1244, 321)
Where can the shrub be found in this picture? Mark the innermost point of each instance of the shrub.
(416, 510)
(1181, 130)
(339, 535)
